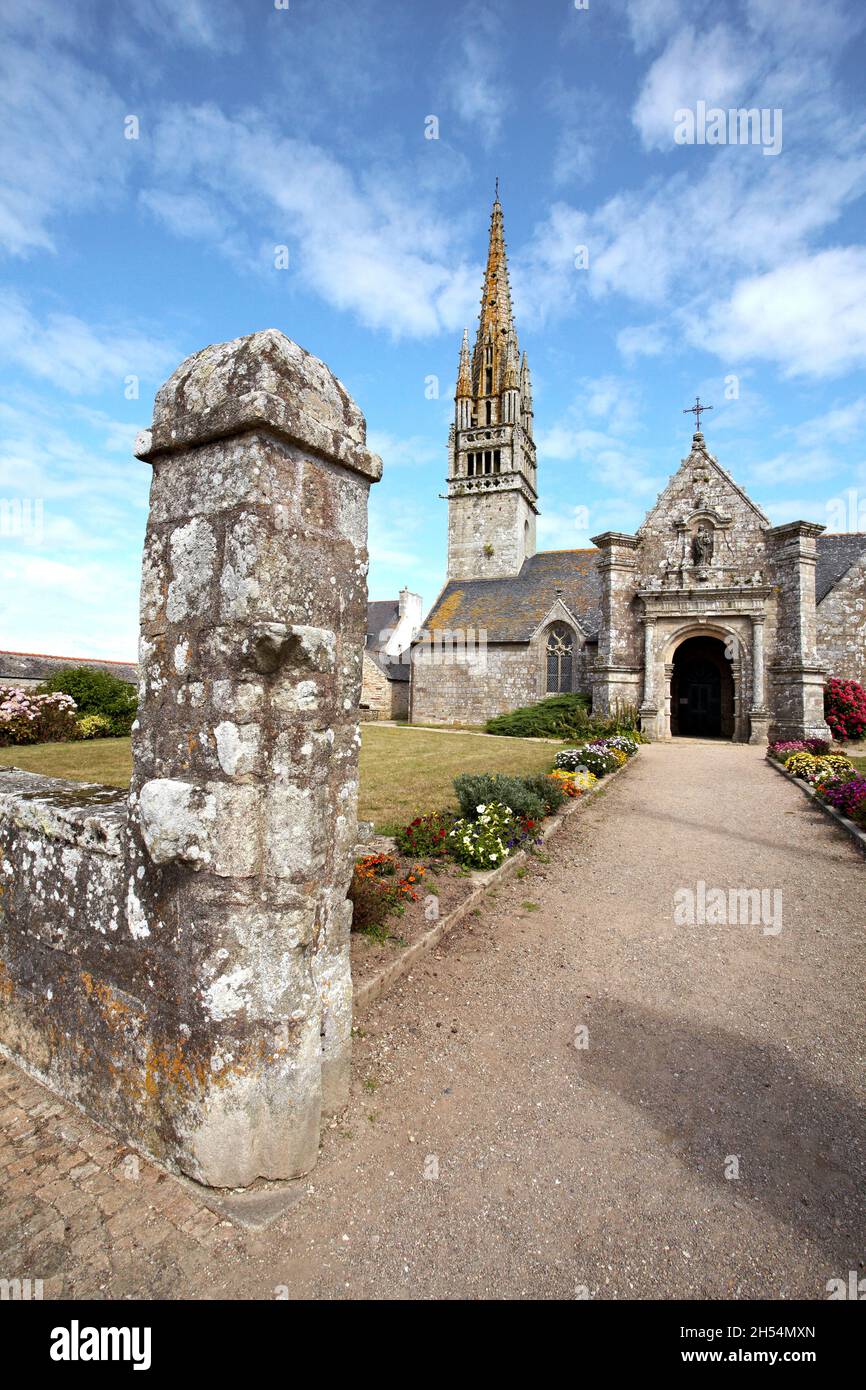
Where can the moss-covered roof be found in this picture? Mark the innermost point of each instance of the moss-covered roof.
(511, 609)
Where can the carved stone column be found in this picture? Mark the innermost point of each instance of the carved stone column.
(759, 716)
(649, 706)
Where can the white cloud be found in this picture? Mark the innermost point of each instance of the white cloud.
(598, 431)
(644, 340)
(841, 424)
(207, 24)
(75, 356)
(697, 64)
(413, 451)
(69, 584)
(812, 465)
(63, 145)
(66, 612)
(567, 529)
(474, 85)
(650, 21)
(364, 245)
(808, 316)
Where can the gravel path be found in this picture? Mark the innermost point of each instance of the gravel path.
(602, 1169)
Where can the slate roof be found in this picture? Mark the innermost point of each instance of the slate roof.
(383, 614)
(836, 554)
(34, 666)
(511, 609)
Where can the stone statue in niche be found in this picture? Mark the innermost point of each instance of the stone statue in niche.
(702, 546)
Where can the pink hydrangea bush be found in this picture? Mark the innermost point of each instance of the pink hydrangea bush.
(26, 717)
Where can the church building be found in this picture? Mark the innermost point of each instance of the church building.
(709, 620)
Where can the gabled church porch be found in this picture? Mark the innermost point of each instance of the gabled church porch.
(703, 672)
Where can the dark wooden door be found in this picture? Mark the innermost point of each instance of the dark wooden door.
(701, 713)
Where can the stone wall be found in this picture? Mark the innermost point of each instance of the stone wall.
(375, 689)
(842, 626)
(24, 670)
(509, 676)
(179, 965)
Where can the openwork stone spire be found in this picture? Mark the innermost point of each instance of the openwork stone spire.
(496, 319)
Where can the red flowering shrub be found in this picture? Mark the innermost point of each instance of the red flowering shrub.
(426, 837)
(845, 708)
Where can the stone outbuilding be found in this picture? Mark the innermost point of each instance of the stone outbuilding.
(392, 624)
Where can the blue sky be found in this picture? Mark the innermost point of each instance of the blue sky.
(712, 269)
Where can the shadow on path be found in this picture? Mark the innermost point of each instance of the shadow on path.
(711, 1094)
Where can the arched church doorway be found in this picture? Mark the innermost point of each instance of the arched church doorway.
(702, 690)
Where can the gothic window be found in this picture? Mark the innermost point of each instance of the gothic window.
(560, 648)
(489, 408)
(488, 381)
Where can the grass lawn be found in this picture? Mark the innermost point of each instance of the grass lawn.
(106, 760)
(404, 772)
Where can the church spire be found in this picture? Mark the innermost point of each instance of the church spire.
(496, 319)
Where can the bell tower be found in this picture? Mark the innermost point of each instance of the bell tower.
(492, 493)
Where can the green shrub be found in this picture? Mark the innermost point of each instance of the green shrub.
(566, 717)
(97, 692)
(561, 716)
(94, 726)
(547, 790)
(482, 788)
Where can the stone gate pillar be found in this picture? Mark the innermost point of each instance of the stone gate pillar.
(616, 676)
(243, 796)
(796, 675)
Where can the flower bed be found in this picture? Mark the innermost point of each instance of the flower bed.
(847, 795)
(810, 767)
(836, 781)
(379, 891)
(436, 857)
(600, 757)
(500, 815)
(782, 751)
